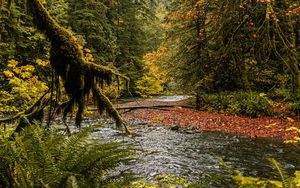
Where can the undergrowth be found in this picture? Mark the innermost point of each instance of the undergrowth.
(42, 158)
(250, 104)
(287, 99)
(283, 180)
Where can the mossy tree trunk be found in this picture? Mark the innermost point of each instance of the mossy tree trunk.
(294, 57)
(80, 77)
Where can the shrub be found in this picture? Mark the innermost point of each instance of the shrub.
(167, 180)
(24, 86)
(288, 99)
(238, 103)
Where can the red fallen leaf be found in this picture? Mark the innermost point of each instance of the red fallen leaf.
(253, 127)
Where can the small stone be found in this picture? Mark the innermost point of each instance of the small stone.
(174, 127)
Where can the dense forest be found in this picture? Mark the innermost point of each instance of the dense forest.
(60, 57)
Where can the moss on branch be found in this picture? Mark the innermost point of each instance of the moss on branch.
(67, 59)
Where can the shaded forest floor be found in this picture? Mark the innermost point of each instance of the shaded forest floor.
(279, 127)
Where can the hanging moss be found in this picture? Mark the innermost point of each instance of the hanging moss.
(79, 76)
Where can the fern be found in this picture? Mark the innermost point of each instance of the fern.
(281, 172)
(40, 158)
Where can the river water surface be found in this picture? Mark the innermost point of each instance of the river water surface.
(192, 154)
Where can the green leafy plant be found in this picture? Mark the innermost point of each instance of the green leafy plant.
(285, 181)
(42, 158)
(287, 99)
(24, 86)
(238, 103)
(155, 78)
(282, 181)
(166, 180)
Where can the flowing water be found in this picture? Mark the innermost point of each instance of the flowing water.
(193, 156)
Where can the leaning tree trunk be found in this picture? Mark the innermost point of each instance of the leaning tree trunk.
(79, 76)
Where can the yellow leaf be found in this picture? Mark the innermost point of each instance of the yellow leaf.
(293, 129)
(41, 62)
(17, 70)
(297, 179)
(8, 74)
(297, 138)
(262, 94)
(245, 180)
(276, 183)
(270, 126)
(290, 141)
(87, 50)
(12, 63)
(290, 119)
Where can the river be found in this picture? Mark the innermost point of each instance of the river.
(192, 155)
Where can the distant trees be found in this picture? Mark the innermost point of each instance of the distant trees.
(128, 19)
(114, 31)
(89, 20)
(230, 45)
(118, 33)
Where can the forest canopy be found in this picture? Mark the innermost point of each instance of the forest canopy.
(162, 46)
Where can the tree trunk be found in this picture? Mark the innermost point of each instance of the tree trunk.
(293, 57)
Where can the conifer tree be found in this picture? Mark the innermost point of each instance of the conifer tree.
(128, 18)
(89, 19)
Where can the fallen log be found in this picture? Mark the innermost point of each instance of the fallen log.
(148, 106)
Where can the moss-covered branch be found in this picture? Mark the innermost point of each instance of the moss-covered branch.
(79, 76)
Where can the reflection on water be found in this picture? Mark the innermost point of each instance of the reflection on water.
(166, 98)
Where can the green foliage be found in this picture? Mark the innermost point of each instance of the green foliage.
(238, 103)
(43, 158)
(288, 99)
(281, 181)
(22, 81)
(118, 33)
(89, 19)
(294, 107)
(155, 75)
(59, 10)
(284, 182)
(168, 180)
(233, 45)
(80, 76)
(19, 40)
(129, 21)
(23, 88)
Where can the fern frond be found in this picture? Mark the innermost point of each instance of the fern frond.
(41, 158)
(281, 172)
(230, 170)
(72, 182)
